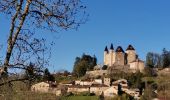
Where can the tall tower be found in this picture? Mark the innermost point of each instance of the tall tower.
(106, 53)
(120, 57)
(112, 55)
(131, 54)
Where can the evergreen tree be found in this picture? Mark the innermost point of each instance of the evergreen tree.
(153, 60)
(104, 67)
(119, 92)
(166, 58)
(84, 63)
(47, 76)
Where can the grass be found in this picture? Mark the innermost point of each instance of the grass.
(28, 96)
(80, 98)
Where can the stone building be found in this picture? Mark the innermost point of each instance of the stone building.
(46, 87)
(78, 88)
(119, 57)
(107, 81)
(98, 88)
(40, 87)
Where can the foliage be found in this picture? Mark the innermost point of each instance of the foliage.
(123, 97)
(158, 60)
(47, 76)
(119, 92)
(135, 80)
(118, 75)
(166, 58)
(150, 72)
(31, 75)
(153, 60)
(148, 93)
(84, 63)
(104, 67)
(80, 98)
(84, 94)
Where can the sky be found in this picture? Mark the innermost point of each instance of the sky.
(143, 23)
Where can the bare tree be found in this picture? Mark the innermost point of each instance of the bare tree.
(23, 46)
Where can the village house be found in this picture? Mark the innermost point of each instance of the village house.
(111, 91)
(46, 87)
(58, 92)
(107, 81)
(98, 88)
(40, 87)
(133, 92)
(78, 88)
(84, 82)
(66, 83)
(122, 82)
(99, 81)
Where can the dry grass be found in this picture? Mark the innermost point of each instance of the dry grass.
(27, 95)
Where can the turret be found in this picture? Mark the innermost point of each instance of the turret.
(111, 55)
(131, 54)
(106, 52)
(111, 47)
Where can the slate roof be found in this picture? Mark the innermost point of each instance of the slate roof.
(106, 49)
(111, 47)
(130, 47)
(99, 85)
(119, 49)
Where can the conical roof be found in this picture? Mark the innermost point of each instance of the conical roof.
(119, 49)
(111, 47)
(106, 49)
(130, 47)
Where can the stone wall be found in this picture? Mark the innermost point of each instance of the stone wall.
(131, 56)
(96, 73)
(120, 58)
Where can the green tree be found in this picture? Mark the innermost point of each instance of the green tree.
(153, 60)
(119, 92)
(165, 58)
(148, 93)
(30, 75)
(84, 63)
(104, 67)
(47, 76)
(134, 80)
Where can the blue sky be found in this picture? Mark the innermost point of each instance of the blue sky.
(143, 23)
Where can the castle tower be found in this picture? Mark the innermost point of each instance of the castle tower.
(112, 55)
(120, 57)
(131, 54)
(106, 54)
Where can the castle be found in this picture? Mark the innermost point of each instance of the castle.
(120, 58)
(118, 61)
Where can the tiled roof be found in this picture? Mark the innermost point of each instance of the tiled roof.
(99, 85)
(79, 86)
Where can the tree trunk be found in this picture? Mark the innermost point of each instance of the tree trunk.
(13, 36)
